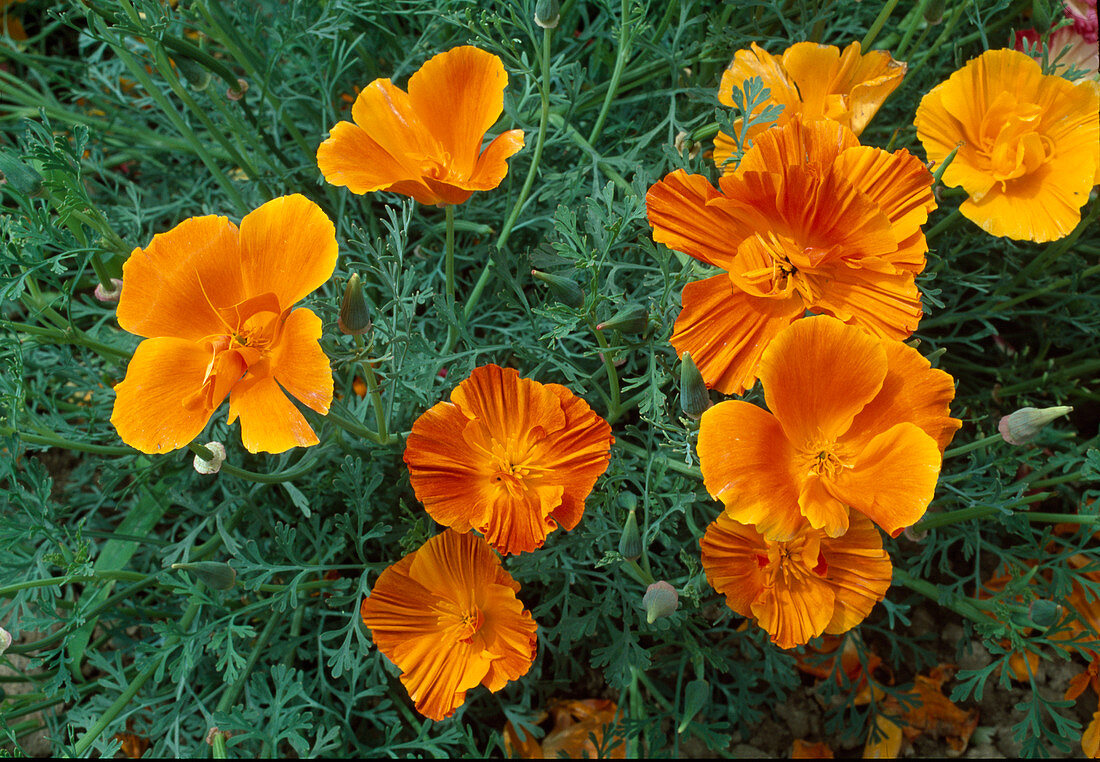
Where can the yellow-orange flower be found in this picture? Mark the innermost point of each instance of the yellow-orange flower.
(508, 456)
(216, 307)
(802, 587)
(1029, 144)
(811, 220)
(814, 82)
(856, 422)
(426, 143)
(447, 615)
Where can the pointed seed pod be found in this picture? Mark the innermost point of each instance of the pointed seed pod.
(1025, 424)
(215, 574)
(564, 289)
(694, 397)
(354, 316)
(630, 543)
(547, 13)
(633, 318)
(660, 600)
(696, 696)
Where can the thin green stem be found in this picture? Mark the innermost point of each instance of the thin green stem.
(479, 288)
(65, 335)
(616, 73)
(449, 274)
(372, 390)
(877, 25)
(584, 145)
(977, 444)
(615, 406)
(674, 465)
(960, 605)
(305, 465)
(914, 20)
(354, 427)
(936, 520)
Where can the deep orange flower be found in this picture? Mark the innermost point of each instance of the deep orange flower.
(1029, 144)
(508, 456)
(426, 143)
(803, 587)
(811, 220)
(814, 82)
(447, 615)
(856, 422)
(216, 307)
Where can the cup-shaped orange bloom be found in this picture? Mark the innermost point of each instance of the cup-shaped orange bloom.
(447, 615)
(813, 82)
(811, 220)
(215, 304)
(426, 143)
(509, 457)
(1029, 144)
(856, 422)
(800, 588)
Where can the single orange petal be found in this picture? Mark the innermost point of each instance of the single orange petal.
(747, 462)
(269, 420)
(817, 375)
(300, 365)
(820, 507)
(1090, 738)
(151, 411)
(733, 557)
(176, 284)
(442, 471)
(458, 95)
(912, 391)
(808, 142)
(726, 331)
(386, 113)
(492, 165)
(509, 407)
(795, 612)
(893, 479)
(679, 211)
(288, 247)
(352, 158)
(884, 304)
(860, 573)
(898, 183)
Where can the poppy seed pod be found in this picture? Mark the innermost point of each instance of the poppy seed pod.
(632, 318)
(354, 316)
(660, 600)
(215, 574)
(547, 14)
(1025, 424)
(630, 543)
(694, 398)
(565, 290)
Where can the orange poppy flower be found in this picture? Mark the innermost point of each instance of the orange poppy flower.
(426, 143)
(855, 422)
(215, 305)
(1029, 144)
(814, 82)
(811, 220)
(508, 456)
(447, 615)
(800, 588)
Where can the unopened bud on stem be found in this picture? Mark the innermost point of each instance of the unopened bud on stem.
(694, 397)
(354, 316)
(1025, 424)
(660, 600)
(632, 318)
(547, 14)
(565, 290)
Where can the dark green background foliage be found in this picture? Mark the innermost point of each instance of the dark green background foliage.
(115, 125)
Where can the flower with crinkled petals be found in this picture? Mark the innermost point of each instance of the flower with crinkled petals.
(811, 220)
(426, 143)
(509, 457)
(216, 305)
(447, 615)
(1029, 144)
(800, 588)
(856, 423)
(811, 81)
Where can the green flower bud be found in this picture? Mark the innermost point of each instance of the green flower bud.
(354, 316)
(696, 696)
(633, 318)
(694, 397)
(195, 73)
(1044, 613)
(660, 600)
(1025, 424)
(215, 574)
(564, 289)
(547, 13)
(933, 12)
(630, 543)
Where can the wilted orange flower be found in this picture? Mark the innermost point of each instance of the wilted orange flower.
(508, 456)
(447, 615)
(803, 587)
(11, 26)
(216, 307)
(812, 81)
(426, 143)
(856, 422)
(811, 220)
(576, 724)
(1029, 144)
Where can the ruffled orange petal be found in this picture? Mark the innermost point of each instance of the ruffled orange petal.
(492, 165)
(817, 375)
(820, 508)
(458, 95)
(859, 573)
(886, 305)
(150, 413)
(747, 464)
(898, 183)
(726, 331)
(269, 420)
(731, 558)
(288, 247)
(174, 286)
(386, 113)
(912, 391)
(795, 614)
(300, 365)
(682, 219)
(352, 158)
(893, 479)
(804, 143)
(518, 520)
(510, 407)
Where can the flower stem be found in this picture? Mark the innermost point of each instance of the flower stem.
(615, 407)
(674, 465)
(977, 444)
(479, 287)
(959, 604)
(937, 520)
(620, 61)
(877, 25)
(375, 396)
(914, 19)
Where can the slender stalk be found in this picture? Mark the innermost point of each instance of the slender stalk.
(615, 407)
(353, 427)
(914, 19)
(616, 73)
(977, 444)
(375, 395)
(937, 520)
(876, 26)
(66, 334)
(479, 287)
(960, 605)
(674, 465)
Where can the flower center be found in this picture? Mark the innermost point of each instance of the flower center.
(509, 467)
(462, 622)
(792, 563)
(1011, 138)
(775, 267)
